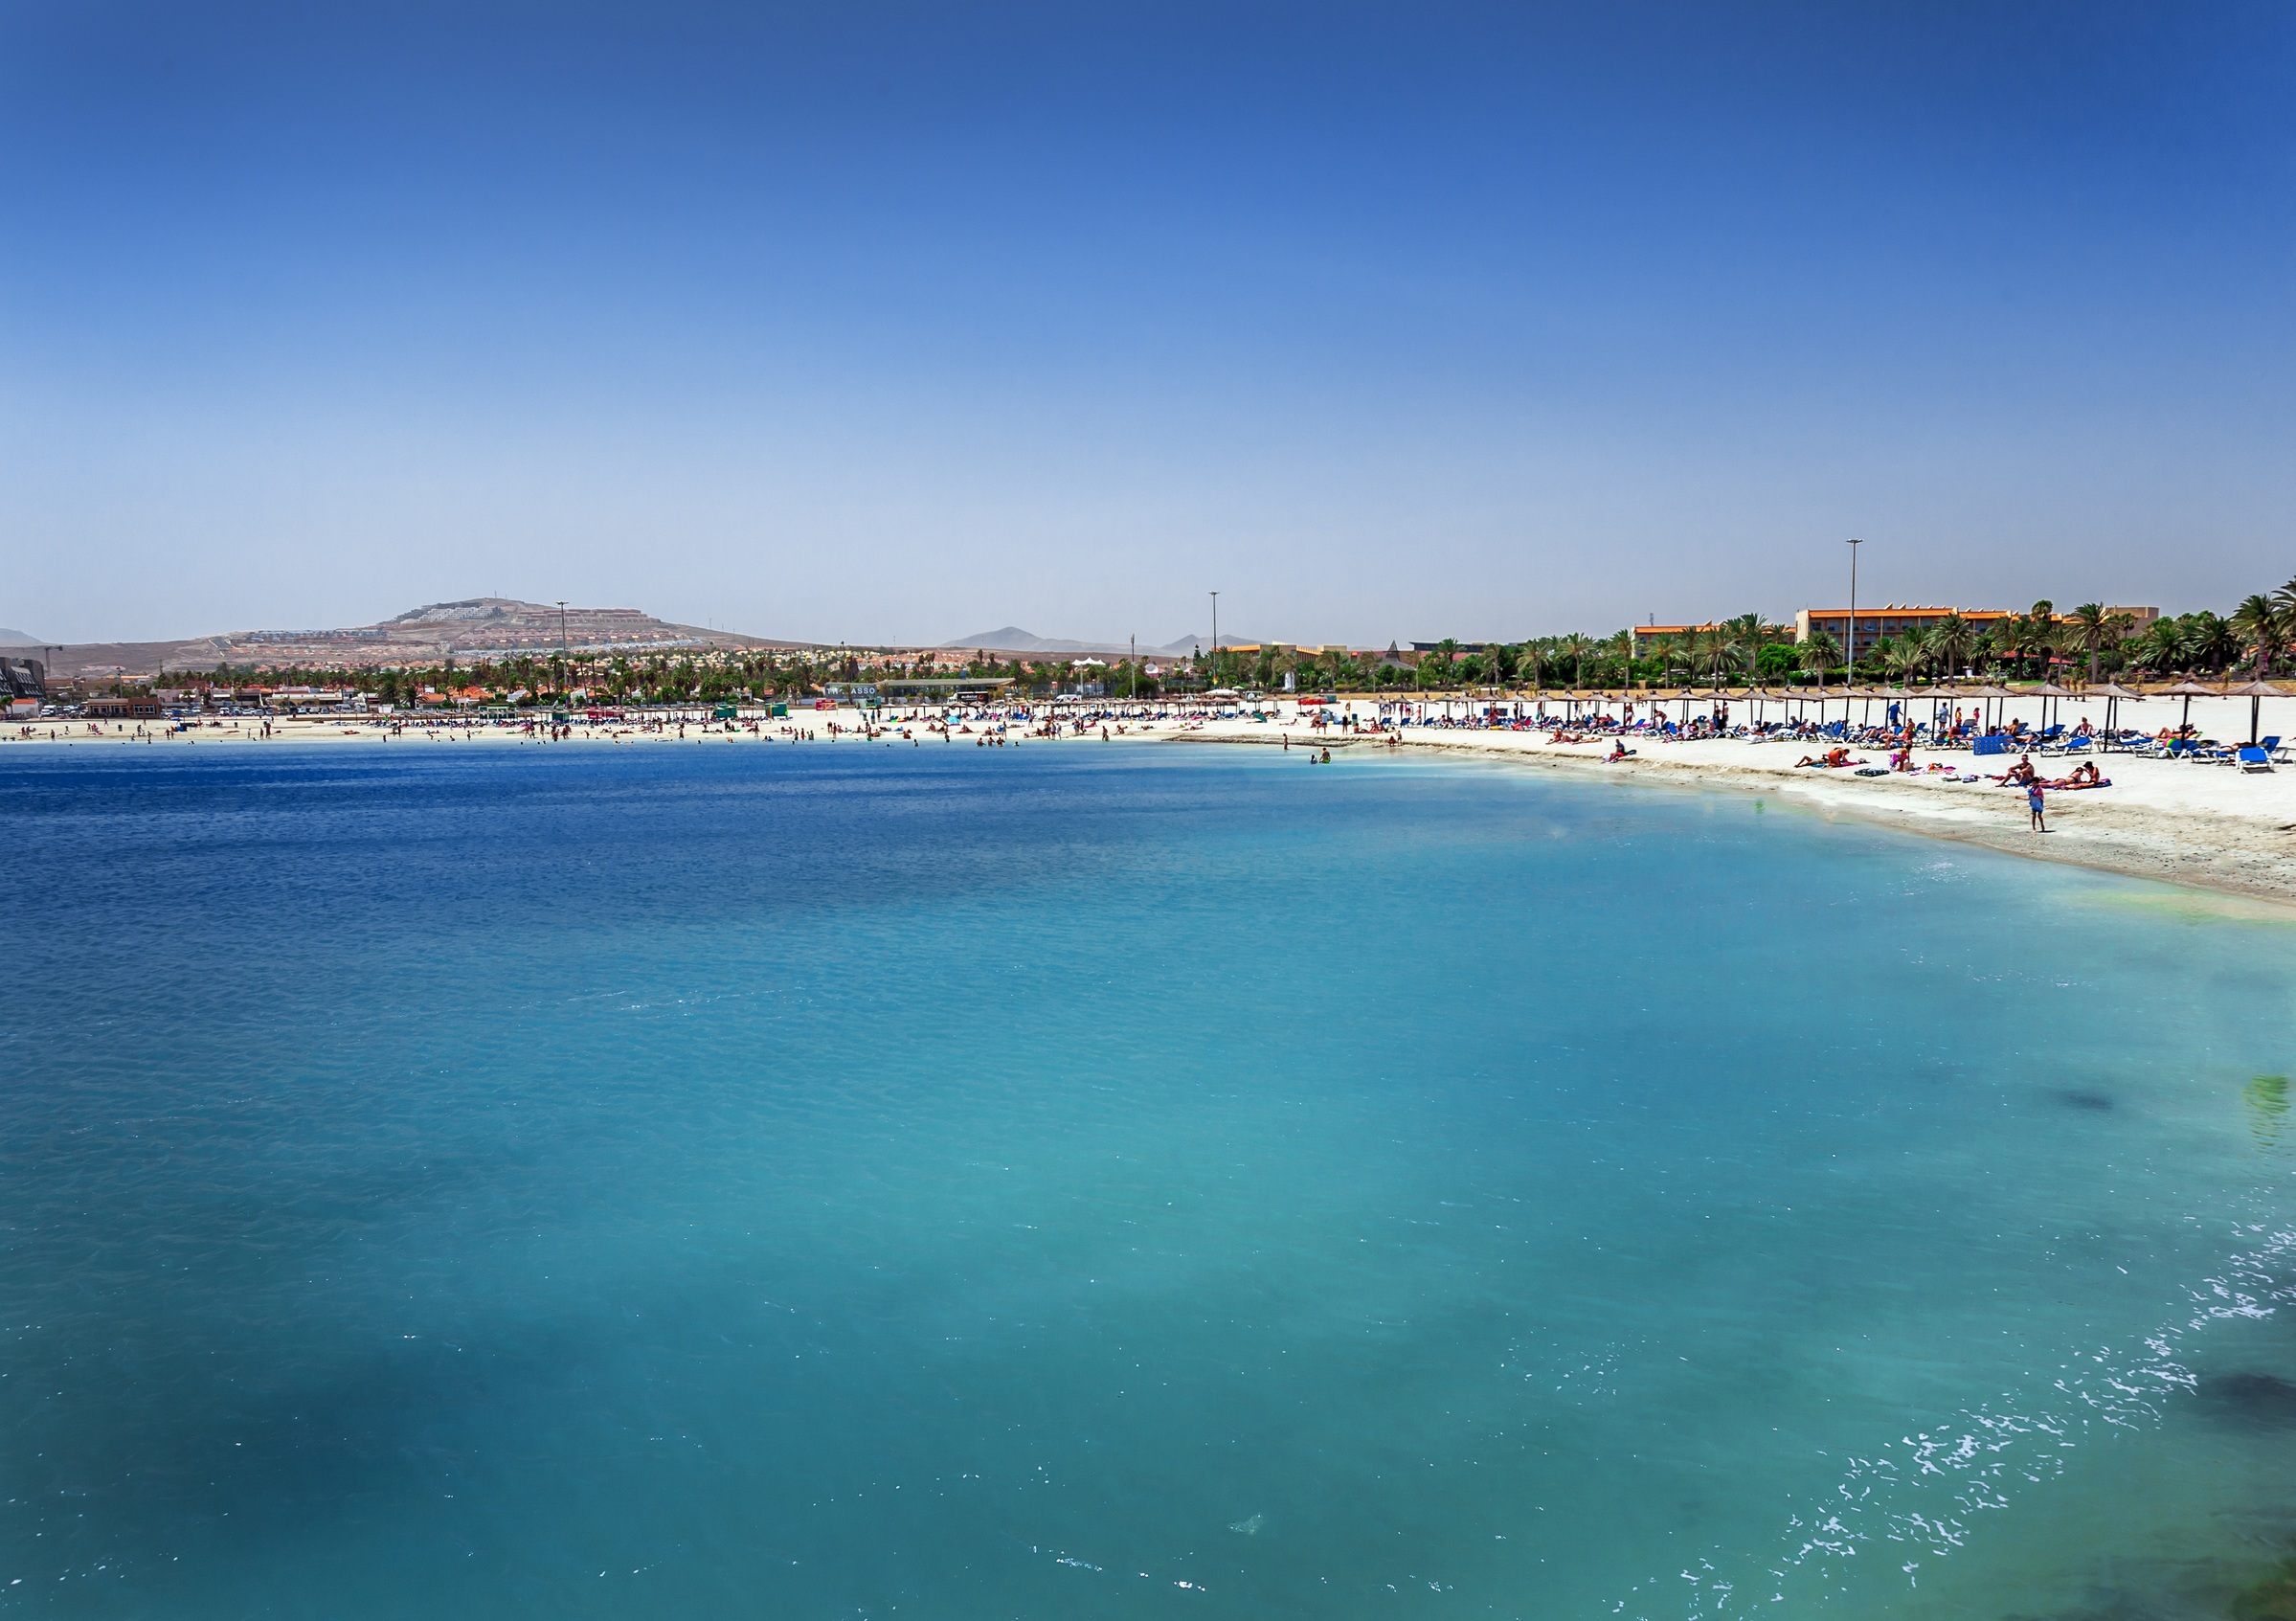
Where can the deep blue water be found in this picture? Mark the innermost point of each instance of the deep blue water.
(1120, 1181)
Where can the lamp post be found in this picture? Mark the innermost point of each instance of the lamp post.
(1848, 670)
(1215, 596)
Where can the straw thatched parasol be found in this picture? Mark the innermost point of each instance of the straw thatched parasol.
(2256, 692)
(1990, 692)
(2112, 692)
(2189, 690)
(2046, 691)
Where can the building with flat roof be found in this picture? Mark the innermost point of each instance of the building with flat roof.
(1648, 637)
(1887, 620)
(1894, 619)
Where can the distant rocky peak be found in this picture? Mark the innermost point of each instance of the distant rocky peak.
(444, 612)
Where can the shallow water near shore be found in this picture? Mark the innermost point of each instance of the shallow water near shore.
(1128, 1182)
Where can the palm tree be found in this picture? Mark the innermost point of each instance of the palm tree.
(2093, 627)
(2034, 634)
(2211, 641)
(1818, 654)
(2264, 626)
(1908, 655)
(1953, 640)
(1620, 644)
(1575, 648)
(1749, 633)
(2161, 649)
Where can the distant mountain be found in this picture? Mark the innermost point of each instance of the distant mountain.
(17, 639)
(477, 627)
(1012, 638)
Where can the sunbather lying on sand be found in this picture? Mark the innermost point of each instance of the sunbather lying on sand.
(2084, 775)
(1834, 759)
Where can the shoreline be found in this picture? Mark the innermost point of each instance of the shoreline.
(2197, 826)
(2145, 827)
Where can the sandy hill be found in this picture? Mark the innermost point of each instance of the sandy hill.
(477, 627)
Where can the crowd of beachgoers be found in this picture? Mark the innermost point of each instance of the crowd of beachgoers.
(1899, 724)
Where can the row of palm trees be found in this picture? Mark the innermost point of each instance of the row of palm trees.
(2091, 639)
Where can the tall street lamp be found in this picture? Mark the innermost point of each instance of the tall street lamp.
(1849, 673)
(1215, 596)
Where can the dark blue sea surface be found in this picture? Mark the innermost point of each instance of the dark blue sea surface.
(839, 1181)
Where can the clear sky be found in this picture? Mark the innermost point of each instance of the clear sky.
(891, 322)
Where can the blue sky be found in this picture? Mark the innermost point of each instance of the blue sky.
(886, 322)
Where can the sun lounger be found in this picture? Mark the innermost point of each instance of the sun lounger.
(2255, 760)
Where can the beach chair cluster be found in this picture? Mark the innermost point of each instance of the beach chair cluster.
(2261, 755)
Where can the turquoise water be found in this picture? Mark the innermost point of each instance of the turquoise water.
(1114, 1181)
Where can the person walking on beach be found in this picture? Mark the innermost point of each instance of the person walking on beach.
(2033, 804)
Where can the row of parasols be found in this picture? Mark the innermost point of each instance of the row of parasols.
(2050, 693)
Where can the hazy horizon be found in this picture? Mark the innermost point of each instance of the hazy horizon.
(878, 322)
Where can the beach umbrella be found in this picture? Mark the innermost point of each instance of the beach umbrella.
(1991, 692)
(2189, 690)
(1901, 696)
(1943, 692)
(2046, 692)
(2112, 692)
(2256, 692)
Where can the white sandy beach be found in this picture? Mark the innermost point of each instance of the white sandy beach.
(2212, 826)
(2207, 825)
